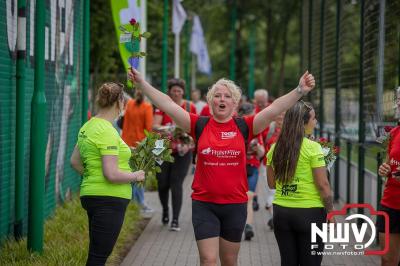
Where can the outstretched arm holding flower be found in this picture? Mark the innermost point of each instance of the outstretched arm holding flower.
(263, 118)
(164, 102)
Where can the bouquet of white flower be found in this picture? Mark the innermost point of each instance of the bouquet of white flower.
(150, 153)
(330, 152)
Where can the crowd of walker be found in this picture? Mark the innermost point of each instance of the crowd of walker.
(236, 143)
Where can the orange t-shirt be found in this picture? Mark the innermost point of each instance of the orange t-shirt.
(137, 118)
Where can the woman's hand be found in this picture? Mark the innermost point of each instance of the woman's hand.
(307, 82)
(139, 176)
(384, 169)
(135, 76)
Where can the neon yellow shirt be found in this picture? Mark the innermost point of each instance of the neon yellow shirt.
(96, 138)
(302, 191)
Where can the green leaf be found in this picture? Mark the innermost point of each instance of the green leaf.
(143, 54)
(146, 34)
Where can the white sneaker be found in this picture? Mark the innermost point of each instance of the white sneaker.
(146, 209)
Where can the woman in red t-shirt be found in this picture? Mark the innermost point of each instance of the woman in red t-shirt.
(390, 202)
(219, 196)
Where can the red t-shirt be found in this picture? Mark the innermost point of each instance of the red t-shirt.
(220, 175)
(271, 141)
(205, 111)
(166, 120)
(391, 194)
(252, 158)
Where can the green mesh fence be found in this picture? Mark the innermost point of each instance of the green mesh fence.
(63, 71)
(331, 35)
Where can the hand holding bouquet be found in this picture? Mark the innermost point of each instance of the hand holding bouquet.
(150, 153)
(330, 152)
(385, 138)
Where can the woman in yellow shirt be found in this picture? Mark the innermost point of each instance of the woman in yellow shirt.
(296, 168)
(101, 157)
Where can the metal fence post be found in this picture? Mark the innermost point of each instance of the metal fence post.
(337, 99)
(38, 138)
(348, 170)
(361, 125)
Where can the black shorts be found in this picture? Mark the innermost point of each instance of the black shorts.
(218, 220)
(394, 220)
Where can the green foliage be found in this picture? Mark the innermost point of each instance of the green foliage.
(146, 34)
(105, 62)
(66, 239)
(215, 19)
(147, 155)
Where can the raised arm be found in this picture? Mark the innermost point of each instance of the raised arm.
(161, 100)
(263, 118)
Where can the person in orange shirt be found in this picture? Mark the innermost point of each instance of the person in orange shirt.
(137, 118)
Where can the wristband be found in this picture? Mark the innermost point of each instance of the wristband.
(300, 90)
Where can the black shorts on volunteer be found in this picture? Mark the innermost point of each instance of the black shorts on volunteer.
(218, 220)
(394, 220)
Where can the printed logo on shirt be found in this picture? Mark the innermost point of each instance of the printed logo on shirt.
(82, 134)
(111, 147)
(228, 135)
(394, 162)
(221, 153)
(288, 190)
(206, 151)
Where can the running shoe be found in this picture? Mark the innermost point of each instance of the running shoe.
(271, 224)
(146, 209)
(175, 226)
(165, 218)
(248, 232)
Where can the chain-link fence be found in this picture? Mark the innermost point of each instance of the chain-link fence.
(352, 48)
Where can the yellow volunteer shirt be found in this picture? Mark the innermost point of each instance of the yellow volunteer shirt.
(96, 138)
(302, 191)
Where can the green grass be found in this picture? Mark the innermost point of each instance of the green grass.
(66, 239)
(370, 155)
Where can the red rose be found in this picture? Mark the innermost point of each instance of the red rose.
(388, 128)
(336, 150)
(132, 21)
(323, 140)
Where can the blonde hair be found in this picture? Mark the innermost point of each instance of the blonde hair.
(232, 87)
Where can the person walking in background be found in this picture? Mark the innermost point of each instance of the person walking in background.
(296, 168)
(101, 157)
(137, 118)
(255, 151)
(219, 186)
(197, 101)
(271, 138)
(390, 202)
(173, 174)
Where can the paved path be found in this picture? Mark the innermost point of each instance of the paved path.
(159, 246)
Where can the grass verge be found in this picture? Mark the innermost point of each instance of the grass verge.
(66, 239)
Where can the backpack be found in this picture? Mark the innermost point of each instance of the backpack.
(202, 122)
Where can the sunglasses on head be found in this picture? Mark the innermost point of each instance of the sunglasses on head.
(308, 106)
